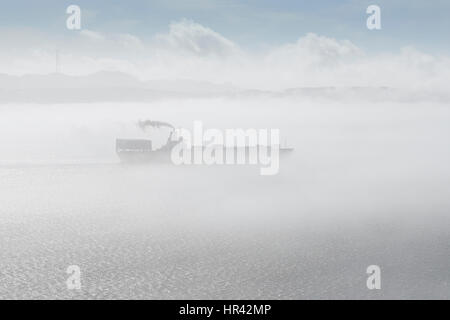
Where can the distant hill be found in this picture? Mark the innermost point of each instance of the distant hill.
(121, 87)
(101, 86)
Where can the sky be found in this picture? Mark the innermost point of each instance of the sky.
(252, 44)
(250, 23)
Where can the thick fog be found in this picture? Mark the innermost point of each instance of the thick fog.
(367, 183)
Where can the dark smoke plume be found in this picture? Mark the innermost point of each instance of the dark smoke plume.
(154, 124)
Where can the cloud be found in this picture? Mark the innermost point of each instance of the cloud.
(129, 41)
(189, 37)
(92, 35)
(189, 50)
(316, 49)
(110, 41)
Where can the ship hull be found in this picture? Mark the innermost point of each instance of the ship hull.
(164, 156)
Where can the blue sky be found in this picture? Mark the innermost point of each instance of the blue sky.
(252, 23)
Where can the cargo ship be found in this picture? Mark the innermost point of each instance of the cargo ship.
(141, 150)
